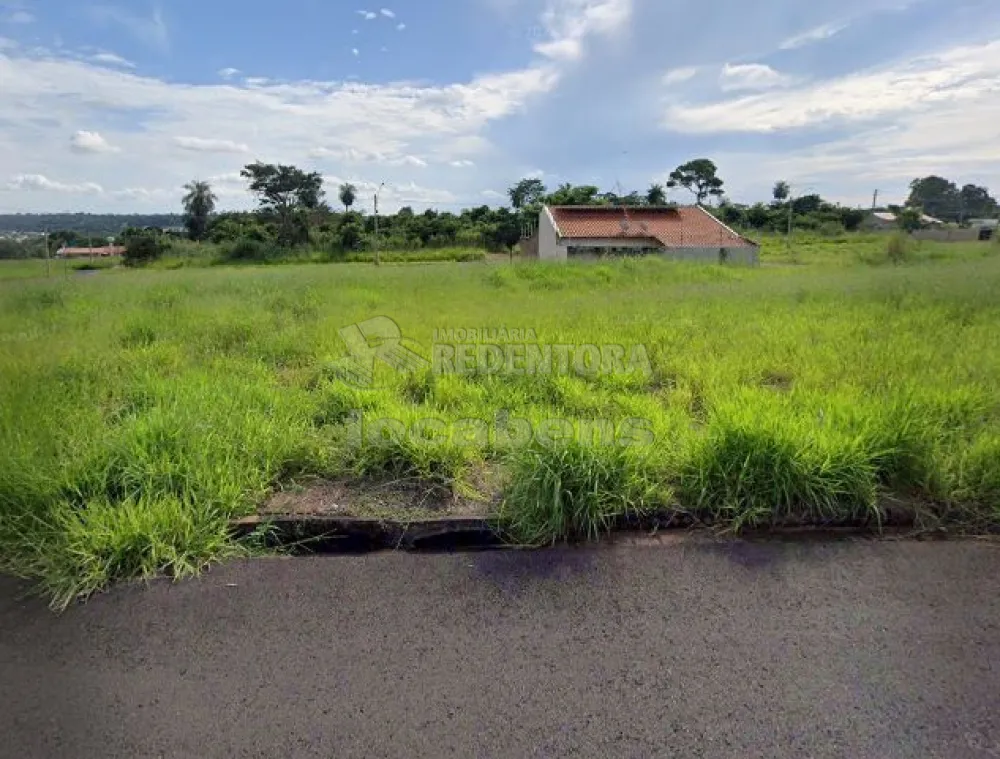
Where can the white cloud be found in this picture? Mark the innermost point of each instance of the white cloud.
(151, 31)
(90, 142)
(7, 44)
(228, 73)
(567, 23)
(367, 15)
(968, 75)
(463, 163)
(412, 160)
(112, 60)
(816, 34)
(203, 145)
(751, 76)
(355, 52)
(387, 13)
(492, 194)
(679, 75)
(400, 27)
(38, 182)
(354, 31)
(19, 17)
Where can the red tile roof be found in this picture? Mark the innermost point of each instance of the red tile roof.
(681, 227)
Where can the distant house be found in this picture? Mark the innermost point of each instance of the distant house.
(106, 251)
(883, 220)
(686, 232)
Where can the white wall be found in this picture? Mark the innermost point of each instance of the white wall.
(549, 248)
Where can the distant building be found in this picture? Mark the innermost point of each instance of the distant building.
(686, 232)
(883, 220)
(105, 252)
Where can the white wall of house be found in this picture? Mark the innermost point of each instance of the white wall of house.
(549, 248)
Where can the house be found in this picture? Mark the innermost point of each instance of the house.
(109, 250)
(883, 220)
(686, 232)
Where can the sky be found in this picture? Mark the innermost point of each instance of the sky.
(112, 106)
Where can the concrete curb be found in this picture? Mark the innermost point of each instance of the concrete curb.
(340, 534)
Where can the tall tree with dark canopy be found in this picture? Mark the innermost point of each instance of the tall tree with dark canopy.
(977, 203)
(527, 192)
(699, 178)
(781, 191)
(656, 195)
(937, 197)
(348, 194)
(199, 205)
(287, 192)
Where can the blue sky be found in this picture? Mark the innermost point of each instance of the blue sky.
(113, 106)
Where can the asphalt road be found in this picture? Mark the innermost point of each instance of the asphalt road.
(691, 649)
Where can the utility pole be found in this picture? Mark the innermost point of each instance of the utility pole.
(377, 261)
(48, 263)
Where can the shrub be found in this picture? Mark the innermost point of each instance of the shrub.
(142, 249)
(248, 249)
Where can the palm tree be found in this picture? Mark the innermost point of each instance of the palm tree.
(655, 195)
(348, 194)
(199, 204)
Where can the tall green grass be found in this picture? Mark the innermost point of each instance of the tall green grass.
(141, 410)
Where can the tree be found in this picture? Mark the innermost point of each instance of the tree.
(977, 203)
(757, 216)
(909, 219)
(287, 192)
(937, 196)
(348, 194)
(807, 204)
(698, 177)
(852, 218)
(656, 195)
(199, 205)
(781, 191)
(141, 247)
(527, 192)
(569, 195)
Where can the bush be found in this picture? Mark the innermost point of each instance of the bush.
(248, 249)
(142, 249)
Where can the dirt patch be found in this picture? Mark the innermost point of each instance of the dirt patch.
(404, 499)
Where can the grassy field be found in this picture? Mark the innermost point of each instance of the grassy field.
(141, 410)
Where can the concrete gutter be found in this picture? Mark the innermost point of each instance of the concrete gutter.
(341, 534)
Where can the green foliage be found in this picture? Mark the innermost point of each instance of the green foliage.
(910, 219)
(348, 194)
(781, 191)
(143, 248)
(199, 205)
(698, 177)
(287, 192)
(527, 192)
(897, 249)
(656, 195)
(141, 410)
(571, 491)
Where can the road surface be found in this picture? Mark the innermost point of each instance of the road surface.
(688, 649)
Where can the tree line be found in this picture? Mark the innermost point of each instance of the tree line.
(293, 211)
